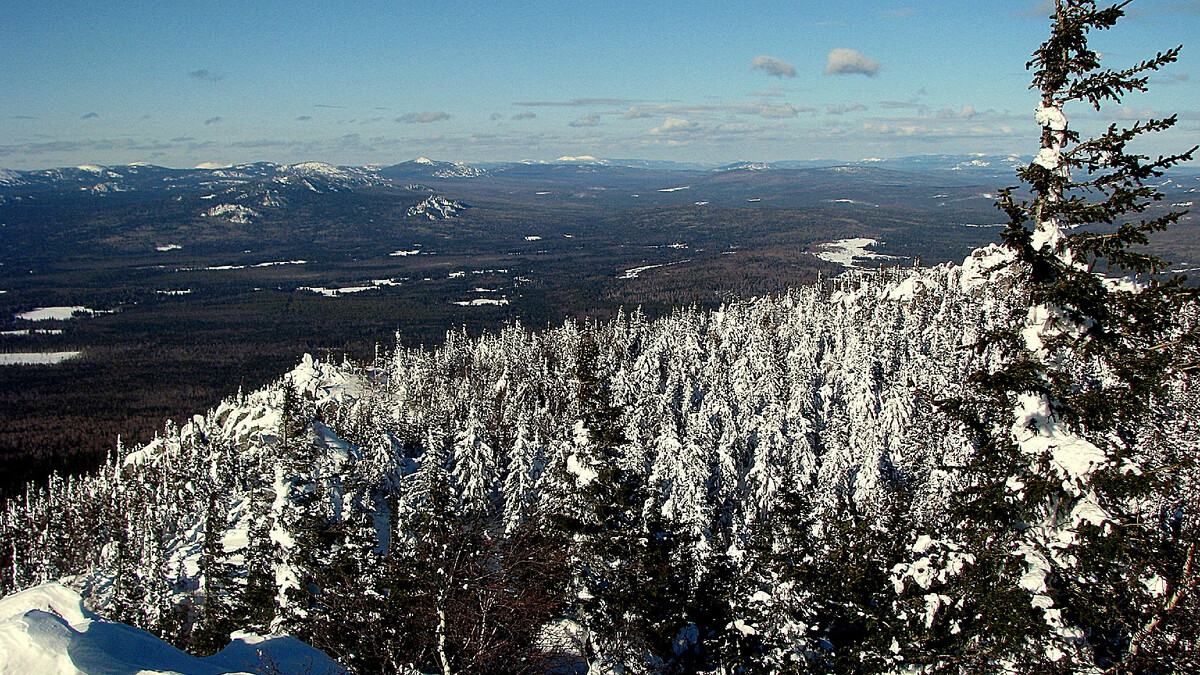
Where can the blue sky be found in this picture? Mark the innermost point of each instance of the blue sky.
(183, 83)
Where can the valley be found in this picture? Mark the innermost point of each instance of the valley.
(198, 283)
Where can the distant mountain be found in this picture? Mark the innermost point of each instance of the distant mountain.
(424, 168)
(745, 166)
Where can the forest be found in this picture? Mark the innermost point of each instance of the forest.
(985, 466)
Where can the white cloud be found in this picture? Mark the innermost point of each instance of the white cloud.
(674, 125)
(842, 61)
(773, 66)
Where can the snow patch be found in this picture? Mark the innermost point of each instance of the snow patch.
(57, 313)
(847, 252)
(479, 302)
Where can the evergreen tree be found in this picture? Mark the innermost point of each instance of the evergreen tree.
(1056, 515)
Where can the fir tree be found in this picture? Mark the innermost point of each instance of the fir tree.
(1056, 516)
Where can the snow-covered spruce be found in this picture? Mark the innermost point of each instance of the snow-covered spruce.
(690, 492)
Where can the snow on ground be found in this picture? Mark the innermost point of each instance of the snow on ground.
(168, 247)
(847, 252)
(676, 189)
(634, 272)
(36, 358)
(402, 254)
(851, 201)
(28, 331)
(55, 313)
(45, 630)
(334, 292)
(533, 237)
(182, 291)
(225, 268)
(477, 302)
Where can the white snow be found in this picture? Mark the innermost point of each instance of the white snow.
(28, 331)
(45, 630)
(533, 237)
(404, 254)
(168, 247)
(846, 252)
(225, 268)
(334, 292)
(676, 189)
(478, 302)
(36, 358)
(183, 291)
(634, 272)
(1038, 434)
(1050, 117)
(435, 207)
(907, 290)
(235, 213)
(55, 313)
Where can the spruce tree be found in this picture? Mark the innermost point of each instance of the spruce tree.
(1064, 516)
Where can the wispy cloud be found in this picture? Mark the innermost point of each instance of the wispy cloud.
(326, 105)
(775, 91)
(580, 103)
(842, 61)
(205, 75)
(592, 120)
(844, 109)
(773, 66)
(304, 118)
(423, 117)
(635, 113)
(525, 115)
(90, 116)
(212, 120)
(898, 13)
(89, 145)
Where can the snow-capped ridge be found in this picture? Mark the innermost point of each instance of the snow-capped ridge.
(436, 207)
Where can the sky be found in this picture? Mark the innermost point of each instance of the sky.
(185, 83)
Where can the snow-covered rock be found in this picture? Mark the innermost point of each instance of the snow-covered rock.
(235, 213)
(436, 207)
(46, 630)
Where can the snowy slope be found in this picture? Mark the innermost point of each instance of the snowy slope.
(46, 630)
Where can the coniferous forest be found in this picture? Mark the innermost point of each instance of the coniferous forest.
(970, 468)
